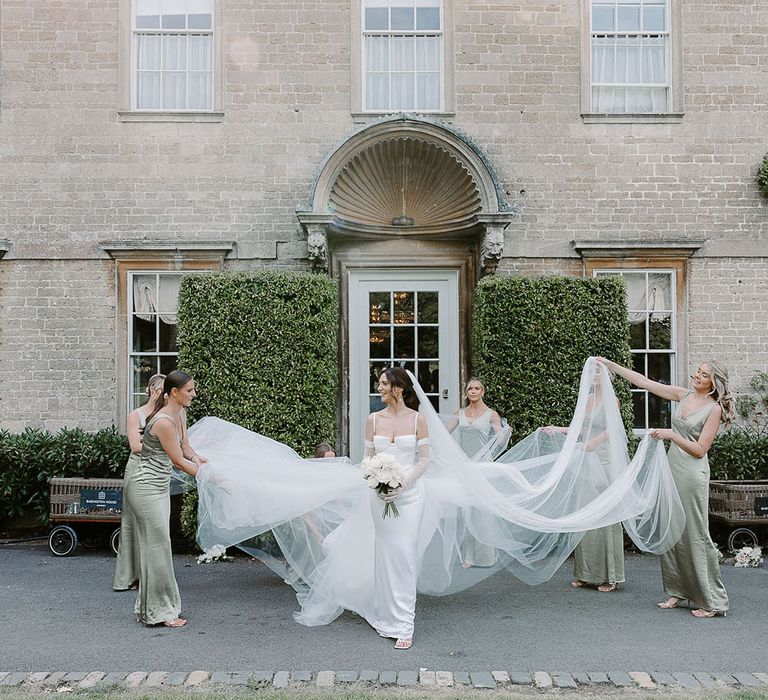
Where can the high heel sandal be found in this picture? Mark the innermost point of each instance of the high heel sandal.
(578, 583)
(403, 644)
(700, 612)
(608, 587)
(667, 605)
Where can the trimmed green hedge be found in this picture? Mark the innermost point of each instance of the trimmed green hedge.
(532, 336)
(28, 459)
(262, 348)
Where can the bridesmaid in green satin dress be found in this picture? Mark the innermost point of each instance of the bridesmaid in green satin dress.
(127, 565)
(148, 493)
(598, 560)
(690, 570)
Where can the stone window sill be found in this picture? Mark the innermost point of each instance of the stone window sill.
(666, 118)
(170, 116)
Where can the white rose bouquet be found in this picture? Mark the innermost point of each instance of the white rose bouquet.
(215, 553)
(748, 556)
(384, 474)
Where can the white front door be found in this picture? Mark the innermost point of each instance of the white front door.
(404, 318)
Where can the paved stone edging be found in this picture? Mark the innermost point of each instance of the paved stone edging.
(490, 680)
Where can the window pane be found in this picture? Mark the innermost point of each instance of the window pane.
(376, 18)
(638, 410)
(142, 368)
(148, 22)
(429, 376)
(379, 307)
(428, 18)
(660, 332)
(660, 367)
(377, 91)
(403, 91)
(660, 291)
(168, 363)
(659, 412)
(635, 283)
(427, 50)
(199, 21)
(174, 90)
(428, 342)
(144, 339)
(428, 91)
(378, 342)
(402, 18)
(638, 362)
(654, 61)
(402, 48)
(147, 52)
(147, 14)
(200, 92)
(654, 18)
(376, 53)
(628, 18)
(174, 21)
(376, 404)
(200, 52)
(404, 342)
(174, 52)
(602, 18)
(376, 368)
(403, 302)
(427, 307)
(168, 334)
(148, 90)
(637, 333)
(603, 61)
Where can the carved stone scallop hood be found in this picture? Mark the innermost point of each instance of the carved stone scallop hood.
(404, 186)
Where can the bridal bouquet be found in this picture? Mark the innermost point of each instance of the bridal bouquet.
(748, 556)
(215, 553)
(384, 474)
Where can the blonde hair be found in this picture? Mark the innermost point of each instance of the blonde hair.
(721, 392)
(156, 381)
(474, 379)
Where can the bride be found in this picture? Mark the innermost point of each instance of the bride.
(532, 508)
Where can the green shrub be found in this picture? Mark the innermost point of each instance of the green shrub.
(762, 175)
(262, 348)
(30, 458)
(532, 336)
(741, 451)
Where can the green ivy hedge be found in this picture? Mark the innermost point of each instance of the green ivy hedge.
(531, 337)
(262, 348)
(30, 458)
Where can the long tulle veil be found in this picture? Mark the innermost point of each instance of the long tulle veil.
(531, 506)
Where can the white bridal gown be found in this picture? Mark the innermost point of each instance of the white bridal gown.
(396, 558)
(532, 508)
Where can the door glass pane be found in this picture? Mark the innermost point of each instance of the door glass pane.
(428, 347)
(659, 368)
(659, 412)
(168, 363)
(376, 404)
(379, 307)
(142, 369)
(378, 339)
(403, 303)
(429, 376)
(638, 363)
(428, 307)
(376, 368)
(405, 346)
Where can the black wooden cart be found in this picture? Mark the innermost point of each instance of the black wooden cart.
(87, 511)
(741, 506)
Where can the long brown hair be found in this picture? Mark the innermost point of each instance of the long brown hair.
(397, 376)
(174, 380)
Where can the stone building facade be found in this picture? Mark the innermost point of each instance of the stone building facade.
(405, 143)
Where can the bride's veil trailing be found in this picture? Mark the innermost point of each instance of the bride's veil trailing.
(531, 507)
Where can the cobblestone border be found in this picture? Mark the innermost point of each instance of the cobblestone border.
(487, 680)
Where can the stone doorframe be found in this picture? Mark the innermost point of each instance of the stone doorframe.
(405, 192)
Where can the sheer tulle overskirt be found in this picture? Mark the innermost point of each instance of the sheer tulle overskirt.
(532, 506)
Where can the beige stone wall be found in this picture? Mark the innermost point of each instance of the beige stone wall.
(72, 174)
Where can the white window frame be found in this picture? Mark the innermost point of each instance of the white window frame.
(127, 70)
(674, 70)
(674, 312)
(130, 312)
(358, 62)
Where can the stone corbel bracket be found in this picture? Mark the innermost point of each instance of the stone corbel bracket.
(5, 246)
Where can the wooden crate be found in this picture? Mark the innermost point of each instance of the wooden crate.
(739, 501)
(66, 499)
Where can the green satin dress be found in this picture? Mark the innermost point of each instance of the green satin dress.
(690, 570)
(599, 557)
(127, 565)
(148, 494)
